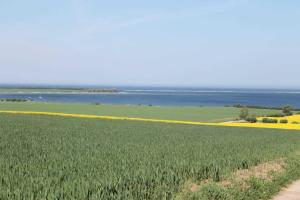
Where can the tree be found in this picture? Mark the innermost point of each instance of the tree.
(244, 113)
(287, 110)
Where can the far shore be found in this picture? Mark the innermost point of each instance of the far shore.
(59, 90)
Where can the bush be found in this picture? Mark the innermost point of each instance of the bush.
(244, 113)
(295, 122)
(289, 114)
(284, 121)
(287, 110)
(251, 119)
(277, 115)
(268, 120)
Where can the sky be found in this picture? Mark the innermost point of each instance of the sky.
(199, 43)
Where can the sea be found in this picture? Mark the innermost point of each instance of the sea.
(171, 96)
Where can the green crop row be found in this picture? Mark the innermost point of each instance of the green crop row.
(202, 114)
(68, 158)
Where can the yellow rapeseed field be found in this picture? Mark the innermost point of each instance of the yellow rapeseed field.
(265, 125)
(291, 119)
(289, 126)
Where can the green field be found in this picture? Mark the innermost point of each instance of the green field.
(203, 114)
(68, 158)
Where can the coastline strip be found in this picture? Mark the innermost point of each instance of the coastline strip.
(250, 125)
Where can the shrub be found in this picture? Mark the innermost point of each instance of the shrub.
(238, 106)
(277, 115)
(284, 121)
(295, 122)
(287, 110)
(268, 120)
(244, 113)
(251, 119)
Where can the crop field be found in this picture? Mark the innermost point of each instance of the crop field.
(202, 114)
(286, 126)
(45, 157)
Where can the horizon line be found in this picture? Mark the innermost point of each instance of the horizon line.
(52, 85)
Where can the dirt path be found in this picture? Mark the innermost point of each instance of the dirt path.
(292, 192)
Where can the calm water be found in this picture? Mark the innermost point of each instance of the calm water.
(175, 97)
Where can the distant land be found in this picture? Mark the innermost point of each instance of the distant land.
(154, 96)
(58, 90)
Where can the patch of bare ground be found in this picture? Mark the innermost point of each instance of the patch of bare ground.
(189, 187)
(263, 171)
(195, 187)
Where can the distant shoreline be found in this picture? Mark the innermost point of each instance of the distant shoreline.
(155, 96)
(44, 90)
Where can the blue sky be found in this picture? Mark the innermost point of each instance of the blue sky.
(204, 43)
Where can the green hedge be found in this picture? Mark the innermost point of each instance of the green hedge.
(284, 121)
(277, 115)
(251, 119)
(268, 120)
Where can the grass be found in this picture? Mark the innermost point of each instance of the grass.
(69, 158)
(203, 114)
(285, 126)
